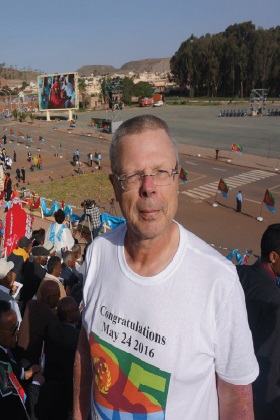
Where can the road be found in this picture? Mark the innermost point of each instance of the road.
(221, 225)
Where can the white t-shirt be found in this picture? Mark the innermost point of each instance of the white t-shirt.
(157, 342)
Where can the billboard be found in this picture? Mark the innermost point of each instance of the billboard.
(58, 91)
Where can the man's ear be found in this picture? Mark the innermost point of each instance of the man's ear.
(272, 256)
(112, 180)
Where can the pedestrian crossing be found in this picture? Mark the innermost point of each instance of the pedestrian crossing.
(236, 181)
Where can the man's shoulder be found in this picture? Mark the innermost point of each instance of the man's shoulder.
(199, 247)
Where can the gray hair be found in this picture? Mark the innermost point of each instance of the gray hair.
(68, 256)
(138, 125)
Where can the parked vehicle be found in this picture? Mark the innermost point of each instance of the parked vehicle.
(158, 103)
(146, 101)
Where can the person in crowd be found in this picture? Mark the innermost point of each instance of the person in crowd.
(164, 319)
(8, 162)
(59, 234)
(54, 268)
(18, 174)
(238, 201)
(23, 174)
(68, 272)
(18, 398)
(4, 139)
(40, 162)
(20, 255)
(7, 187)
(93, 213)
(61, 344)
(38, 237)
(37, 316)
(259, 282)
(29, 156)
(33, 274)
(15, 156)
(7, 279)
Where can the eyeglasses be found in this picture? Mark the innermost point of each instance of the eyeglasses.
(161, 177)
(14, 330)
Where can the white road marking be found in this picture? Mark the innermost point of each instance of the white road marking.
(208, 190)
(190, 163)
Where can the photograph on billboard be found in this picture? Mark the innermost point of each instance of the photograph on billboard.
(58, 91)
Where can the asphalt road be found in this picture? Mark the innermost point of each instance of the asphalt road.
(201, 126)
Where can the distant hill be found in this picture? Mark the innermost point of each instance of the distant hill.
(149, 64)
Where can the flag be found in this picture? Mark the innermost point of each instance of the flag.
(12, 133)
(269, 201)
(29, 138)
(20, 135)
(41, 139)
(236, 148)
(60, 146)
(183, 175)
(223, 188)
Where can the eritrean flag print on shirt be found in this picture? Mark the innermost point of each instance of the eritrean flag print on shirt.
(123, 383)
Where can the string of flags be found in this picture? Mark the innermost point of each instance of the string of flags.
(29, 138)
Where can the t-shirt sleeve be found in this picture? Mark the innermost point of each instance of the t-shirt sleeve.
(235, 360)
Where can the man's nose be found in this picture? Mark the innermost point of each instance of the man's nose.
(148, 186)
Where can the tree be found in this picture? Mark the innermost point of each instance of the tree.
(143, 89)
(82, 90)
(128, 90)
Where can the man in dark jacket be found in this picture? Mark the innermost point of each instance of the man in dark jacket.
(17, 397)
(263, 306)
(33, 274)
(19, 256)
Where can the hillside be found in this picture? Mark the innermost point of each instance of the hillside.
(149, 64)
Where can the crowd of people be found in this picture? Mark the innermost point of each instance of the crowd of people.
(41, 285)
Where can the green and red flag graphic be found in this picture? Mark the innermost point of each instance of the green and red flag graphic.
(20, 135)
(123, 383)
(236, 148)
(269, 201)
(183, 175)
(223, 188)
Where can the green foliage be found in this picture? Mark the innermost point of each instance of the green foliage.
(128, 90)
(14, 114)
(32, 117)
(230, 63)
(143, 90)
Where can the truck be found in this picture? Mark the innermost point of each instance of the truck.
(145, 101)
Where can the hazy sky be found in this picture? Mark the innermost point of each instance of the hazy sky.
(63, 35)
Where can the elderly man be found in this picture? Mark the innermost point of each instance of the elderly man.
(165, 331)
(33, 274)
(262, 294)
(54, 268)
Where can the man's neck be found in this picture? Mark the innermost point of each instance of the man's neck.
(149, 257)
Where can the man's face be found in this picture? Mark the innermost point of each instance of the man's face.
(149, 209)
(8, 329)
(57, 269)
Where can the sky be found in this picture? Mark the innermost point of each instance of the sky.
(57, 36)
